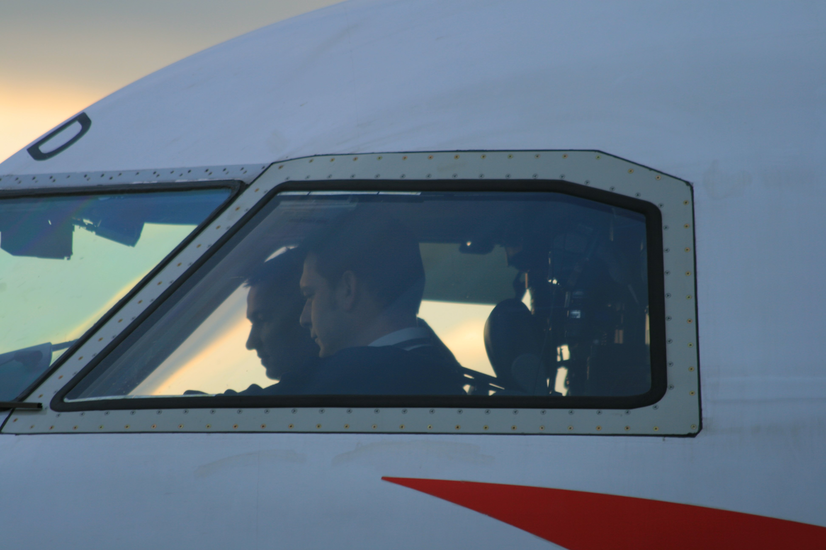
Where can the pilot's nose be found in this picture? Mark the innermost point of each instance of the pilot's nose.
(252, 339)
(306, 320)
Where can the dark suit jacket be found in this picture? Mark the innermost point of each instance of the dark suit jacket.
(387, 370)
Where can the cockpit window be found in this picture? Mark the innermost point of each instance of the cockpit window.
(487, 296)
(66, 260)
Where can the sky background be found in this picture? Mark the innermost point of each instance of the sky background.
(57, 57)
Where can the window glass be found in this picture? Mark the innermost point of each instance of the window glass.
(66, 260)
(489, 294)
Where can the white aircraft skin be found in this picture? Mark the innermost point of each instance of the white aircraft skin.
(730, 97)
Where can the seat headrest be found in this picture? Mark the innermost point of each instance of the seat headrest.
(511, 331)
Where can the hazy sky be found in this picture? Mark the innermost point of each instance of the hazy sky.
(59, 56)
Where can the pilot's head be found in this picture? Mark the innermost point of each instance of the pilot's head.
(362, 279)
(274, 305)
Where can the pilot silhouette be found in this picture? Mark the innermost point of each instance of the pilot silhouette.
(363, 281)
(274, 305)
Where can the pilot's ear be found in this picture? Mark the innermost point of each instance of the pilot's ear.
(346, 290)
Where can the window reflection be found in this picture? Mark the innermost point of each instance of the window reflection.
(66, 260)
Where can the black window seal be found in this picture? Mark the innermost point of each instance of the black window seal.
(234, 186)
(656, 296)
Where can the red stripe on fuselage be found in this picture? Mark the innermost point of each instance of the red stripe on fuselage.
(588, 521)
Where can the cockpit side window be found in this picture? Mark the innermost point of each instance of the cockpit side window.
(67, 259)
(514, 295)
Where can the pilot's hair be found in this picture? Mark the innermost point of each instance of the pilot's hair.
(280, 273)
(380, 251)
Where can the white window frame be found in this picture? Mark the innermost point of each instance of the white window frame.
(677, 413)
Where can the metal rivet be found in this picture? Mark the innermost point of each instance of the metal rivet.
(627, 428)
(688, 273)
(656, 428)
(347, 426)
(630, 170)
(430, 157)
(513, 427)
(181, 426)
(379, 158)
(332, 159)
(599, 428)
(690, 369)
(263, 426)
(280, 167)
(374, 426)
(658, 177)
(598, 157)
(74, 428)
(484, 156)
(154, 426)
(541, 427)
(430, 426)
(290, 426)
(484, 428)
(510, 156)
(570, 427)
(404, 157)
(689, 321)
(401, 427)
(318, 426)
(456, 156)
(685, 202)
(311, 160)
(458, 427)
(140, 301)
(260, 188)
(691, 392)
(693, 426)
(209, 426)
(355, 159)
(127, 426)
